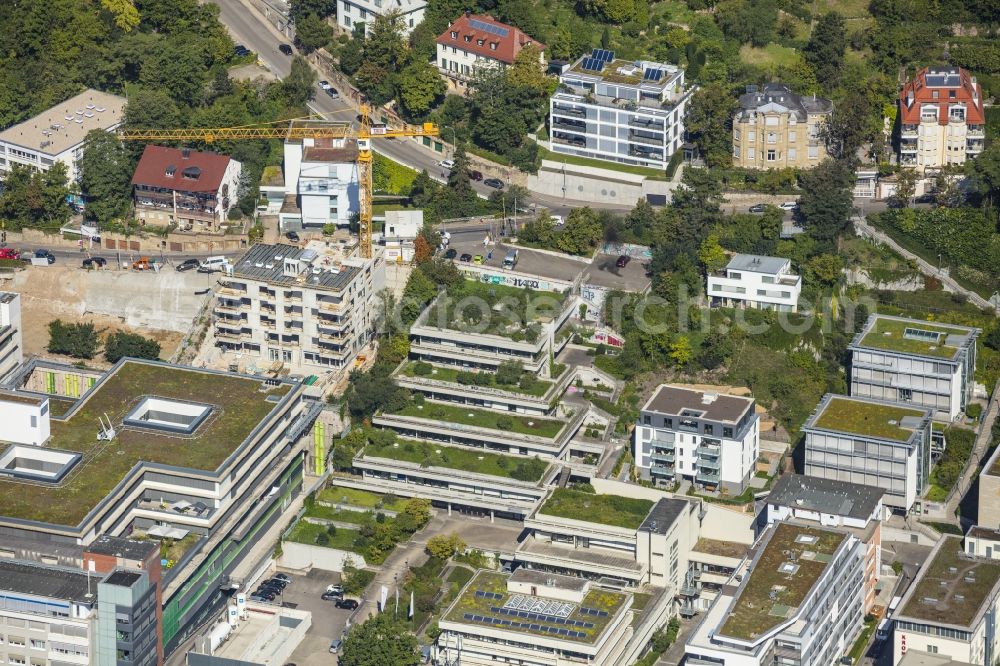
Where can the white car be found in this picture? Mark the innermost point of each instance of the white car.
(789, 205)
(447, 164)
(557, 220)
(325, 85)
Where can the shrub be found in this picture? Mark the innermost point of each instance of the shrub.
(121, 344)
(76, 340)
(422, 368)
(504, 423)
(974, 410)
(322, 539)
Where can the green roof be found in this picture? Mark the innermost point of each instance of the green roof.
(466, 460)
(611, 510)
(484, 418)
(912, 336)
(494, 309)
(480, 606)
(533, 386)
(770, 595)
(952, 587)
(868, 419)
(239, 404)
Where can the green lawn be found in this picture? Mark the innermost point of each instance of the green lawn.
(654, 174)
(483, 418)
(460, 575)
(537, 388)
(307, 533)
(865, 418)
(339, 515)
(361, 498)
(858, 649)
(604, 509)
(467, 460)
(770, 56)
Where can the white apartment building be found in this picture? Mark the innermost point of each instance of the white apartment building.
(57, 135)
(321, 182)
(624, 111)
(871, 442)
(916, 362)
(352, 12)
(473, 42)
(11, 347)
(312, 309)
(951, 609)
(797, 601)
(401, 229)
(709, 438)
(942, 120)
(759, 282)
(48, 615)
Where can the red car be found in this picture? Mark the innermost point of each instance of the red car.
(476, 175)
(623, 261)
(9, 253)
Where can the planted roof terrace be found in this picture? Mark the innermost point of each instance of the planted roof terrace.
(868, 418)
(914, 336)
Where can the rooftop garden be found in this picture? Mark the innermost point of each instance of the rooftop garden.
(466, 460)
(868, 419)
(361, 498)
(771, 593)
(239, 406)
(509, 376)
(611, 510)
(723, 548)
(469, 602)
(494, 309)
(483, 418)
(953, 587)
(890, 335)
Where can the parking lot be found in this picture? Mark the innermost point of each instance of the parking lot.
(328, 621)
(604, 272)
(540, 264)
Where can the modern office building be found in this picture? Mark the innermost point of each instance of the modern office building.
(951, 608)
(57, 135)
(917, 362)
(831, 503)
(709, 438)
(624, 111)
(871, 442)
(777, 129)
(352, 13)
(752, 281)
(941, 118)
(189, 190)
(198, 462)
(799, 600)
(310, 309)
(474, 41)
(128, 611)
(11, 347)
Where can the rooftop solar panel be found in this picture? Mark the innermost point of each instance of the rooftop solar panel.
(652, 75)
(489, 27)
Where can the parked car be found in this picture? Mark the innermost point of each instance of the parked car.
(332, 93)
(478, 259)
(475, 175)
(495, 183)
(9, 253)
(558, 220)
(789, 205)
(925, 199)
(332, 596)
(338, 589)
(325, 85)
(94, 262)
(758, 208)
(451, 253)
(284, 577)
(45, 254)
(285, 48)
(188, 265)
(335, 645)
(466, 257)
(270, 587)
(347, 604)
(277, 582)
(292, 236)
(447, 165)
(260, 598)
(241, 51)
(623, 261)
(264, 595)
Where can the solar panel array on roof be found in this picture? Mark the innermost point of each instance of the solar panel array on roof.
(652, 75)
(488, 27)
(592, 64)
(513, 624)
(942, 80)
(604, 55)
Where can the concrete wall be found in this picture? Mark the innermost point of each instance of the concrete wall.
(989, 500)
(303, 556)
(727, 523)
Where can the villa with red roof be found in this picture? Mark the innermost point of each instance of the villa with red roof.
(941, 118)
(473, 41)
(178, 186)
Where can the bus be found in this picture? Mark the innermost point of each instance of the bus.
(510, 260)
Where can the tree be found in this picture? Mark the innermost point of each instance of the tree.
(848, 126)
(106, 169)
(120, 344)
(298, 87)
(509, 373)
(528, 72)
(76, 340)
(709, 124)
(125, 13)
(422, 250)
(711, 255)
(748, 21)
(906, 188)
(299, 9)
(680, 351)
(826, 202)
(385, 44)
(151, 108)
(443, 546)
(824, 269)
(420, 89)
(419, 510)
(370, 393)
(825, 50)
(313, 32)
(35, 199)
(984, 174)
(379, 641)
(582, 232)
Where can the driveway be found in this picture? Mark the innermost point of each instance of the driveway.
(328, 621)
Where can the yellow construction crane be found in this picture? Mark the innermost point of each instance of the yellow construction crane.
(363, 134)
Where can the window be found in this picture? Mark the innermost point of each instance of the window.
(750, 153)
(273, 354)
(493, 46)
(479, 42)
(733, 275)
(933, 649)
(454, 35)
(468, 38)
(813, 152)
(727, 431)
(709, 428)
(767, 279)
(771, 155)
(771, 120)
(736, 152)
(751, 136)
(34, 421)
(647, 419)
(792, 153)
(37, 645)
(347, 20)
(736, 134)
(772, 137)
(364, 13)
(286, 355)
(791, 137)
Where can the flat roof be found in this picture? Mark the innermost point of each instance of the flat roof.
(484, 610)
(914, 336)
(840, 498)
(757, 263)
(523, 575)
(624, 72)
(22, 398)
(266, 262)
(978, 532)
(952, 588)
(92, 108)
(663, 515)
(868, 418)
(613, 510)
(673, 400)
(122, 578)
(132, 549)
(723, 548)
(241, 404)
(46, 581)
(780, 579)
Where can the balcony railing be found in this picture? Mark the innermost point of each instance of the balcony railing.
(707, 476)
(569, 111)
(662, 457)
(661, 470)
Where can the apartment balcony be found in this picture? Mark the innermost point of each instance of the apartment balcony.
(227, 306)
(577, 111)
(293, 296)
(268, 324)
(662, 470)
(663, 442)
(708, 465)
(268, 308)
(908, 160)
(575, 141)
(232, 336)
(974, 146)
(646, 123)
(232, 289)
(707, 476)
(570, 125)
(330, 306)
(908, 131)
(709, 448)
(645, 154)
(635, 137)
(662, 458)
(975, 130)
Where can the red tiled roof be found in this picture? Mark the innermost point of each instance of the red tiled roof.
(966, 91)
(509, 41)
(157, 160)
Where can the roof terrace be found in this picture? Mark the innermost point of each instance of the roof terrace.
(913, 336)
